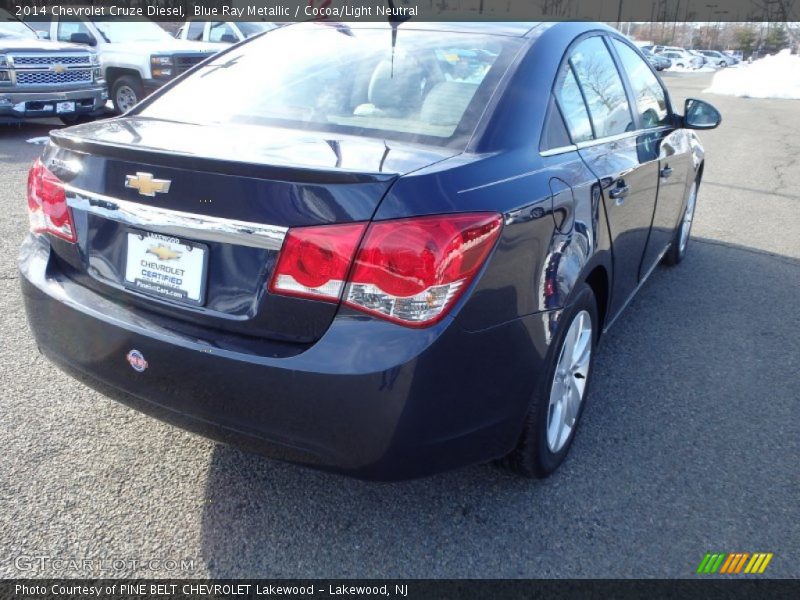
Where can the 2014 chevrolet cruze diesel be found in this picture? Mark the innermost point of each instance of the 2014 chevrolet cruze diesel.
(386, 253)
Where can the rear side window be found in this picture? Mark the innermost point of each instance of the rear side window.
(554, 134)
(651, 100)
(602, 87)
(573, 107)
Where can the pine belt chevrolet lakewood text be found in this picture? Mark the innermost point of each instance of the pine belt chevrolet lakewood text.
(385, 255)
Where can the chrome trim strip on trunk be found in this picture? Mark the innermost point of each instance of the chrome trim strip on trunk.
(176, 223)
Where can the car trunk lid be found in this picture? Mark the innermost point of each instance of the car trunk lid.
(222, 199)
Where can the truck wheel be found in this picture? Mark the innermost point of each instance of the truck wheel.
(75, 119)
(126, 92)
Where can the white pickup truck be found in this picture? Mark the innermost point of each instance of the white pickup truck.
(222, 32)
(137, 57)
(43, 79)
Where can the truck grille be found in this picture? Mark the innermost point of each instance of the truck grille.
(48, 61)
(40, 69)
(184, 62)
(52, 78)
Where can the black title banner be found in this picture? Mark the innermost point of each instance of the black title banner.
(401, 10)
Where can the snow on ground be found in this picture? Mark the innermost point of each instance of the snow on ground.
(703, 69)
(776, 76)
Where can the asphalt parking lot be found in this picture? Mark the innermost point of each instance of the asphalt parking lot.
(690, 442)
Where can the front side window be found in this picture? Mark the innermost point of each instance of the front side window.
(651, 99)
(251, 28)
(66, 29)
(602, 87)
(195, 32)
(221, 32)
(423, 86)
(120, 32)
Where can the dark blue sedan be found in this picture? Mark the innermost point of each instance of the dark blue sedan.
(384, 253)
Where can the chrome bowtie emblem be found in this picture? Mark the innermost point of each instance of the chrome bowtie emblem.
(146, 185)
(58, 69)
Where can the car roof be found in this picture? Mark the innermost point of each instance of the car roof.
(507, 29)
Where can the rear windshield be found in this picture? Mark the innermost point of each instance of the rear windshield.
(11, 27)
(120, 32)
(430, 87)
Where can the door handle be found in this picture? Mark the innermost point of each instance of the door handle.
(666, 172)
(620, 192)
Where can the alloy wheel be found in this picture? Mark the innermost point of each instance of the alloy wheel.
(568, 388)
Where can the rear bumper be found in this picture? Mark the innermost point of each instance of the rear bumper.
(371, 399)
(42, 105)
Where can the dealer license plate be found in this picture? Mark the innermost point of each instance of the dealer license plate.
(166, 267)
(65, 107)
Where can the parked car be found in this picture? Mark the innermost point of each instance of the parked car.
(659, 61)
(388, 259)
(734, 58)
(41, 79)
(703, 59)
(660, 48)
(683, 60)
(222, 32)
(137, 57)
(718, 59)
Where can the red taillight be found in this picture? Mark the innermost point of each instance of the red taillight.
(409, 270)
(314, 261)
(413, 270)
(47, 204)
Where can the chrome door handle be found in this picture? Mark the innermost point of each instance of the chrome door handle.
(666, 172)
(620, 192)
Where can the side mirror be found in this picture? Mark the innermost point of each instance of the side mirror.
(43, 35)
(82, 38)
(228, 38)
(700, 115)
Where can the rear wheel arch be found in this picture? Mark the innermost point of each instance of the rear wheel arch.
(599, 281)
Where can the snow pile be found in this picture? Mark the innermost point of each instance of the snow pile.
(704, 69)
(776, 76)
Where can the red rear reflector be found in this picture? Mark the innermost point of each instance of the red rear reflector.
(412, 271)
(47, 204)
(314, 261)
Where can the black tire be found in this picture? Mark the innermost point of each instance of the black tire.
(533, 457)
(677, 252)
(125, 92)
(75, 119)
